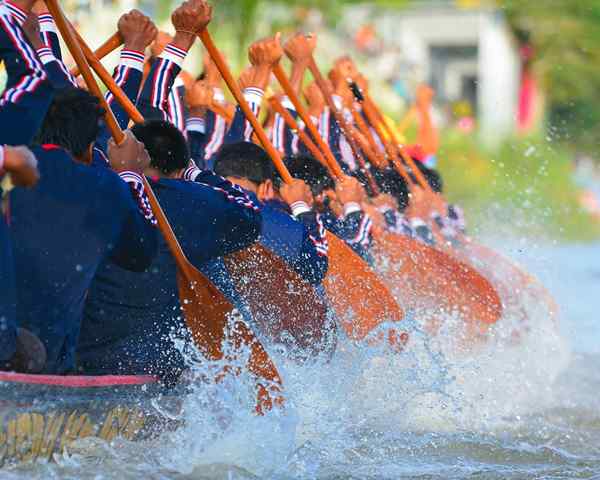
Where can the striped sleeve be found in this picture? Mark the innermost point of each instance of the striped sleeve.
(154, 99)
(128, 77)
(254, 98)
(26, 73)
(136, 185)
(176, 108)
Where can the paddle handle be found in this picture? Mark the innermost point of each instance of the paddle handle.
(326, 154)
(378, 120)
(76, 51)
(109, 81)
(114, 42)
(68, 36)
(235, 90)
(381, 161)
(339, 116)
(277, 107)
(346, 129)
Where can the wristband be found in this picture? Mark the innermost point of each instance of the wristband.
(195, 124)
(174, 54)
(132, 59)
(254, 95)
(299, 207)
(45, 54)
(351, 207)
(218, 95)
(1, 159)
(287, 103)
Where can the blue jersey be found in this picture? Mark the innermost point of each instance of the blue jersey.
(130, 318)
(8, 327)
(300, 242)
(76, 217)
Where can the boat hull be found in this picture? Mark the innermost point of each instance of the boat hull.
(42, 415)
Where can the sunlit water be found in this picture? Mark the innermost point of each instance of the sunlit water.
(519, 408)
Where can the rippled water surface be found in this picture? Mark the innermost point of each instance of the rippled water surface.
(517, 408)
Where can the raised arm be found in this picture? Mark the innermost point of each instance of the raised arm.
(191, 17)
(28, 93)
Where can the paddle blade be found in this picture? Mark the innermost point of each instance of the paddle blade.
(287, 308)
(360, 299)
(427, 278)
(211, 319)
(509, 278)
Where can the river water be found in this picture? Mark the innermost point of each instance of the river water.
(516, 408)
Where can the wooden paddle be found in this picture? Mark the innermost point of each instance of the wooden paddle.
(283, 318)
(359, 298)
(207, 311)
(113, 42)
(436, 278)
(470, 251)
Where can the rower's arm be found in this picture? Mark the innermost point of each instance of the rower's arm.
(28, 93)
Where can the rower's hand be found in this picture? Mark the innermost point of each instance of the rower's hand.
(349, 190)
(300, 48)
(345, 68)
(296, 191)
(189, 19)
(138, 30)
(385, 200)
(39, 7)
(199, 95)
(130, 156)
(246, 78)
(21, 165)
(31, 27)
(315, 99)
(266, 52)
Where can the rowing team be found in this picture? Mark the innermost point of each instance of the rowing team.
(88, 285)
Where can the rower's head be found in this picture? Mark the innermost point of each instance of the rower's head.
(249, 166)
(73, 123)
(309, 169)
(166, 145)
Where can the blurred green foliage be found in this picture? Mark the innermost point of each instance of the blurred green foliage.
(524, 187)
(565, 35)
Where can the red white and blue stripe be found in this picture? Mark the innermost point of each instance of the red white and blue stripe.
(28, 83)
(136, 184)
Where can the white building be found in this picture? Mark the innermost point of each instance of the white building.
(464, 53)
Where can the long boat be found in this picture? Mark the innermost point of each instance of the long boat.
(41, 415)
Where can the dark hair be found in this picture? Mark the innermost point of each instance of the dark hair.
(309, 169)
(244, 160)
(432, 176)
(72, 121)
(390, 181)
(165, 144)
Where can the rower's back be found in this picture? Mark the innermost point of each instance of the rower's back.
(73, 219)
(62, 230)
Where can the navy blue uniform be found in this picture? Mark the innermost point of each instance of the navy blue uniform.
(285, 140)
(8, 325)
(300, 241)
(62, 229)
(28, 92)
(129, 318)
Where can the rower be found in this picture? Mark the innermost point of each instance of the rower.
(133, 321)
(73, 219)
(20, 350)
(296, 234)
(338, 203)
